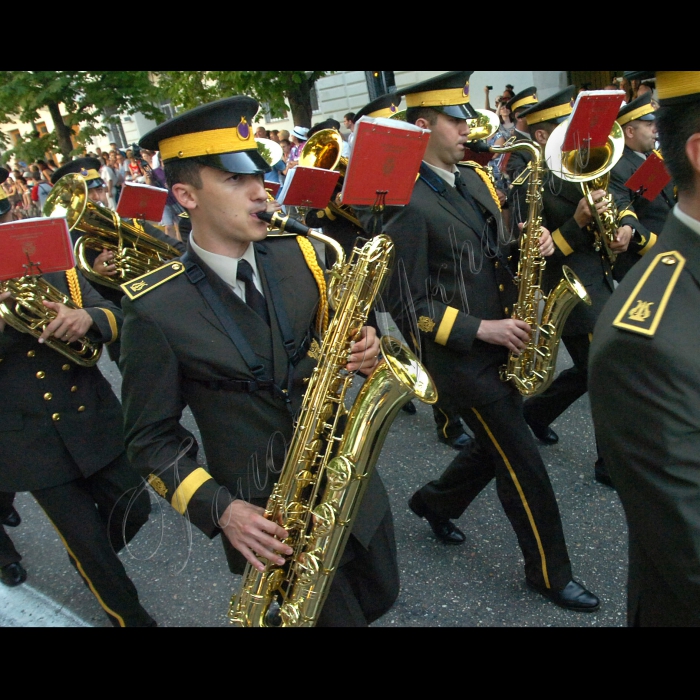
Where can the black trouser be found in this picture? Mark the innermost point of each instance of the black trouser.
(505, 449)
(8, 553)
(366, 584)
(96, 518)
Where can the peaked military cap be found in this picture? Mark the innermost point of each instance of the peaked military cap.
(89, 168)
(218, 135)
(675, 87)
(447, 93)
(523, 99)
(5, 204)
(640, 109)
(383, 107)
(555, 109)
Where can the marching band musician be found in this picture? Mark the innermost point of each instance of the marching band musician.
(567, 214)
(519, 159)
(237, 352)
(645, 384)
(450, 225)
(638, 122)
(61, 438)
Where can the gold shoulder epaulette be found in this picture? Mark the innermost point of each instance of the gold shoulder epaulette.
(148, 282)
(486, 175)
(647, 305)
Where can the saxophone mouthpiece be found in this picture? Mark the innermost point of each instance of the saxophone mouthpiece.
(284, 223)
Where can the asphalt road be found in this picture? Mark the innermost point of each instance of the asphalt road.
(183, 579)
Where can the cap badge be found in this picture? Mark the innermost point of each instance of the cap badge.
(466, 90)
(244, 129)
(84, 173)
(394, 109)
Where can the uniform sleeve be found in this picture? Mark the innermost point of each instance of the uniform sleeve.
(413, 296)
(649, 437)
(159, 448)
(107, 318)
(644, 240)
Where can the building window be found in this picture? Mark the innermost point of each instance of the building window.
(380, 82)
(271, 116)
(314, 100)
(167, 109)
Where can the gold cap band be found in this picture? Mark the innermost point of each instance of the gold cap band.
(207, 143)
(3, 193)
(384, 113)
(89, 175)
(531, 100)
(552, 113)
(636, 114)
(439, 98)
(677, 83)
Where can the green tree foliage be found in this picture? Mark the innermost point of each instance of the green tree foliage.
(87, 96)
(276, 89)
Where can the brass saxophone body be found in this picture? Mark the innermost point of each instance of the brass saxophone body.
(533, 371)
(26, 313)
(333, 451)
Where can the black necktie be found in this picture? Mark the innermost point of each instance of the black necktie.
(462, 189)
(253, 298)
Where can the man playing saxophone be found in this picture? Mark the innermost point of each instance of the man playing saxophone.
(454, 260)
(238, 352)
(567, 213)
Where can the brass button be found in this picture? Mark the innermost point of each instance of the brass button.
(48, 397)
(81, 409)
(1, 359)
(507, 311)
(502, 288)
(56, 417)
(498, 265)
(73, 389)
(669, 261)
(66, 368)
(31, 354)
(41, 375)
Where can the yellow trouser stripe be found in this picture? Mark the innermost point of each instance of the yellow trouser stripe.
(652, 242)
(447, 422)
(448, 323)
(561, 243)
(188, 488)
(107, 609)
(112, 325)
(545, 573)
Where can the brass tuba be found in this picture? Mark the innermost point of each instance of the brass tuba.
(333, 452)
(136, 253)
(26, 313)
(325, 150)
(591, 169)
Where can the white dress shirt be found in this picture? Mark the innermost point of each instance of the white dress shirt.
(689, 221)
(227, 268)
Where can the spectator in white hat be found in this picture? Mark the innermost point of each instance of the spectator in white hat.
(299, 137)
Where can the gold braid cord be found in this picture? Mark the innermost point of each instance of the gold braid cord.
(74, 287)
(487, 181)
(309, 253)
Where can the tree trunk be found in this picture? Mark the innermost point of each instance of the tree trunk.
(299, 96)
(63, 133)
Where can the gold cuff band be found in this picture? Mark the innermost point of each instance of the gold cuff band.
(448, 323)
(652, 242)
(188, 488)
(562, 243)
(112, 324)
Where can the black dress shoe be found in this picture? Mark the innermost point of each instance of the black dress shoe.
(574, 597)
(602, 475)
(12, 520)
(457, 443)
(544, 434)
(13, 575)
(444, 529)
(410, 408)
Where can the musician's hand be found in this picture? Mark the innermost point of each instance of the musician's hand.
(253, 535)
(273, 207)
(622, 240)
(103, 264)
(3, 297)
(547, 247)
(69, 325)
(583, 214)
(365, 353)
(510, 333)
(502, 196)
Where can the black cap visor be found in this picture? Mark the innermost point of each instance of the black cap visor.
(5, 206)
(95, 184)
(243, 163)
(465, 111)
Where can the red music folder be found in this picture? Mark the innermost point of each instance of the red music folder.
(273, 188)
(44, 242)
(311, 188)
(593, 118)
(142, 202)
(386, 157)
(651, 178)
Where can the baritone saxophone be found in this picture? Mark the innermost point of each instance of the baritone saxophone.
(333, 451)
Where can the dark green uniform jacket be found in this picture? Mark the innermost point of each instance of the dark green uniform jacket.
(176, 353)
(446, 281)
(58, 421)
(645, 392)
(646, 218)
